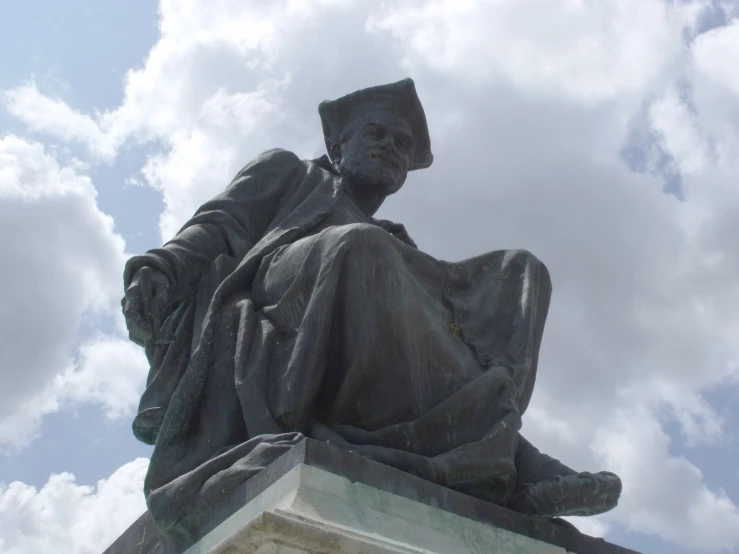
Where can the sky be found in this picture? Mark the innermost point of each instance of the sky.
(601, 135)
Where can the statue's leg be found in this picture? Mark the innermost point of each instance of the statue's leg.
(547, 487)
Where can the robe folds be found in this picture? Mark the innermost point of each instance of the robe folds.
(292, 314)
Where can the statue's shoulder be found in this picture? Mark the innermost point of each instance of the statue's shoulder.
(272, 170)
(271, 160)
(279, 155)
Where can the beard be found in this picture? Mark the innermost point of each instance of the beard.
(374, 175)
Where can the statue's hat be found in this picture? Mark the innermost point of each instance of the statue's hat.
(398, 98)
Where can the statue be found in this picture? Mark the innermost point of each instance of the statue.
(284, 309)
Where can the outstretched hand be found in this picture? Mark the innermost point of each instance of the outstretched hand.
(144, 304)
(397, 230)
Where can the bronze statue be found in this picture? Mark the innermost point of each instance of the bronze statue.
(284, 309)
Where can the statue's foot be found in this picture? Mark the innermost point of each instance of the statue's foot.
(580, 494)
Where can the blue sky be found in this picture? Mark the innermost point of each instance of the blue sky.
(600, 136)
(33, 45)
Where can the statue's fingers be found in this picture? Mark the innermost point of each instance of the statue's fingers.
(136, 339)
(138, 334)
(130, 308)
(136, 322)
(144, 275)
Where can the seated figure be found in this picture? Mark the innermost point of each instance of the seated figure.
(283, 309)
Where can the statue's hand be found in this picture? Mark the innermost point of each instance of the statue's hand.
(143, 304)
(397, 230)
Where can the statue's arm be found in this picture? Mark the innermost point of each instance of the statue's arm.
(230, 224)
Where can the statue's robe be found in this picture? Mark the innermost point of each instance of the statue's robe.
(294, 314)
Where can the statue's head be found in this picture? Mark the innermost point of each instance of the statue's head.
(375, 136)
(375, 150)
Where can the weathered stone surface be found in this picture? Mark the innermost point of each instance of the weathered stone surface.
(325, 497)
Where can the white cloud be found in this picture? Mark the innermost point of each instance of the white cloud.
(67, 518)
(680, 133)
(52, 115)
(699, 421)
(717, 54)
(638, 449)
(593, 52)
(110, 373)
(20, 424)
(530, 105)
(62, 263)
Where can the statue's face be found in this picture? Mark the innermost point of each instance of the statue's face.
(377, 152)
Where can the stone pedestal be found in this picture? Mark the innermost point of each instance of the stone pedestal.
(321, 499)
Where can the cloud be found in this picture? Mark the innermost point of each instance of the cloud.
(592, 52)
(717, 55)
(65, 517)
(52, 115)
(638, 449)
(110, 372)
(62, 262)
(532, 106)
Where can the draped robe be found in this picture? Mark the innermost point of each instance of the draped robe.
(291, 313)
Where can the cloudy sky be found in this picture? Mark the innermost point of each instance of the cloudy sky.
(602, 135)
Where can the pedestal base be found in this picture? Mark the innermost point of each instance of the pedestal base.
(322, 499)
(311, 511)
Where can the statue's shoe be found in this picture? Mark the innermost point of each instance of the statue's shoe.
(580, 494)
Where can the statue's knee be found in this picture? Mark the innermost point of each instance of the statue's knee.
(364, 233)
(524, 258)
(518, 262)
(363, 239)
(366, 251)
